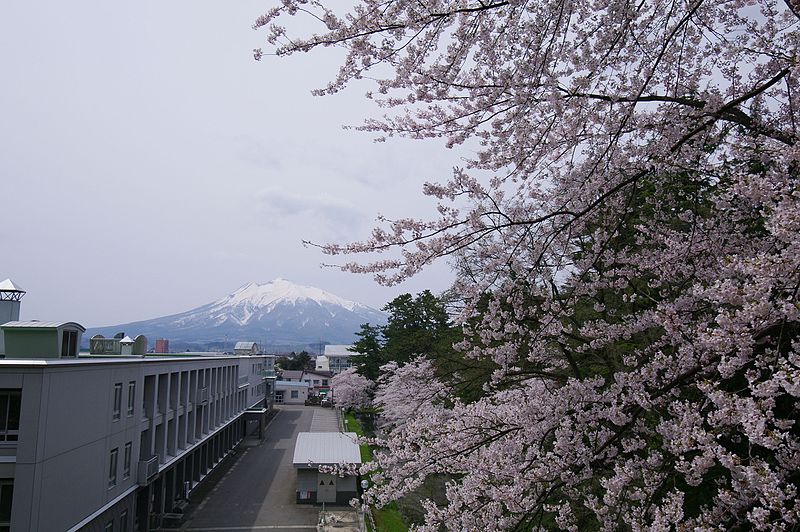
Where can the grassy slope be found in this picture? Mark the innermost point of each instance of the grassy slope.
(387, 519)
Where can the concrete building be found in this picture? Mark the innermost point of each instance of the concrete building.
(162, 346)
(313, 449)
(109, 442)
(338, 357)
(319, 382)
(321, 363)
(291, 393)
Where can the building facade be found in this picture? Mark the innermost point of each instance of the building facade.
(338, 357)
(291, 393)
(117, 443)
(319, 382)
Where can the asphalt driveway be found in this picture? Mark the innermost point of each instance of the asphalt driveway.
(257, 492)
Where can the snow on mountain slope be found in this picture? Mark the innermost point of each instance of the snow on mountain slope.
(281, 291)
(278, 312)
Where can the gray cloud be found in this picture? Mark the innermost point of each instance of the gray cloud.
(316, 208)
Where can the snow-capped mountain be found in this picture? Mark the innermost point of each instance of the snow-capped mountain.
(276, 313)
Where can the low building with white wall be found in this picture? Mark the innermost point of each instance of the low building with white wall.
(321, 363)
(314, 449)
(291, 393)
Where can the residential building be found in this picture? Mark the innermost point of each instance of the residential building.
(318, 381)
(291, 393)
(108, 442)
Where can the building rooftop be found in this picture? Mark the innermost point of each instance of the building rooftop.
(319, 373)
(338, 350)
(292, 384)
(40, 324)
(9, 286)
(292, 373)
(244, 345)
(317, 448)
(111, 359)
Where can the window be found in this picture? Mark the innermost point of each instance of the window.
(324, 382)
(126, 461)
(6, 496)
(131, 397)
(117, 400)
(9, 414)
(294, 394)
(123, 521)
(316, 382)
(112, 468)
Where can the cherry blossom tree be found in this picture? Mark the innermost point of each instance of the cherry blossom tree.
(407, 392)
(351, 390)
(626, 240)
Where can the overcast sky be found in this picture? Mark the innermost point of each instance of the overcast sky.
(149, 165)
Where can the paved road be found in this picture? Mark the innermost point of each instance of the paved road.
(258, 490)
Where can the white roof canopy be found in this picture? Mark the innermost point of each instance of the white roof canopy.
(317, 448)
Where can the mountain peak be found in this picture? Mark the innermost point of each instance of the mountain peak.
(280, 290)
(280, 312)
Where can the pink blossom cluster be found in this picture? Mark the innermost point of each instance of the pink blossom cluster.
(351, 390)
(626, 240)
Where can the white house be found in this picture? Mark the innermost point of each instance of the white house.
(291, 393)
